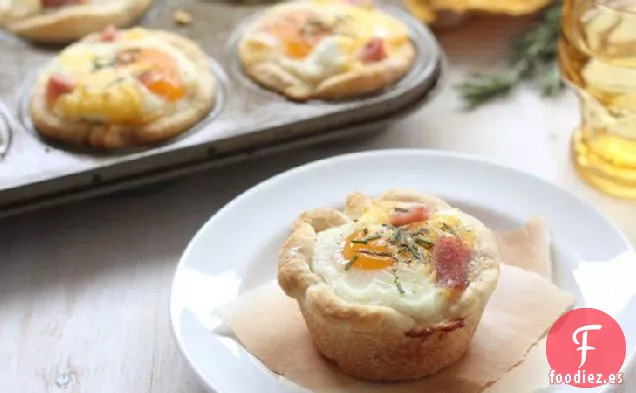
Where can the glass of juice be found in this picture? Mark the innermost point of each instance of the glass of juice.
(597, 57)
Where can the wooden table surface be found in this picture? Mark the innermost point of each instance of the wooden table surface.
(84, 287)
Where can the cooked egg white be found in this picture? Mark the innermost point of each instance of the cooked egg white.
(115, 95)
(421, 297)
(418, 295)
(331, 56)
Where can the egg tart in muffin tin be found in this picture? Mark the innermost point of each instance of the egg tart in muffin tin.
(393, 288)
(63, 21)
(325, 50)
(123, 88)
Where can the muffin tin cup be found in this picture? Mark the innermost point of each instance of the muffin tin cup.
(6, 130)
(246, 120)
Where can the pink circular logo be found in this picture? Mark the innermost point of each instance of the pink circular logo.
(586, 348)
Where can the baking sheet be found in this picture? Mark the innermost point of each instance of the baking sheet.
(246, 117)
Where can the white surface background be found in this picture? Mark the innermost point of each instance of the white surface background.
(84, 287)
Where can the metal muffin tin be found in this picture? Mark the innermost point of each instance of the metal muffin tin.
(246, 121)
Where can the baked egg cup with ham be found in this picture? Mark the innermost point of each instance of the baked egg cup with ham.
(64, 21)
(123, 88)
(326, 50)
(393, 288)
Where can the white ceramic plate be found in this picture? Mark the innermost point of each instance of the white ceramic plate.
(235, 250)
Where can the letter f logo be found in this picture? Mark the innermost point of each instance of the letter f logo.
(583, 344)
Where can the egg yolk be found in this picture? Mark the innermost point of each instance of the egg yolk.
(369, 255)
(298, 48)
(162, 76)
(299, 32)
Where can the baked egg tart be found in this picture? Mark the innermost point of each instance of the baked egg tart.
(327, 50)
(123, 88)
(63, 21)
(392, 288)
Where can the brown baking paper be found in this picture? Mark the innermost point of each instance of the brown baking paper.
(534, 240)
(522, 308)
(527, 247)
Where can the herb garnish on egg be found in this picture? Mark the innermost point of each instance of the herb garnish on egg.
(398, 284)
(366, 240)
(401, 244)
(448, 228)
(315, 26)
(101, 62)
(351, 262)
(397, 235)
(377, 253)
(115, 81)
(415, 251)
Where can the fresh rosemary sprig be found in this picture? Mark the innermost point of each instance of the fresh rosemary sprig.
(533, 58)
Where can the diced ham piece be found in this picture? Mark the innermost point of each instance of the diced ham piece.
(451, 257)
(57, 86)
(109, 34)
(409, 215)
(150, 77)
(373, 51)
(59, 3)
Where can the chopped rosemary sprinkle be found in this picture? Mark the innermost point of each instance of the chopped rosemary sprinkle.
(398, 284)
(100, 62)
(448, 228)
(397, 235)
(416, 253)
(376, 253)
(351, 262)
(313, 25)
(115, 81)
(424, 242)
(401, 210)
(366, 240)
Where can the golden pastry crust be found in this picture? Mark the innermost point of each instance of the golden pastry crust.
(71, 23)
(195, 106)
(373, 342)
(358, 82)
